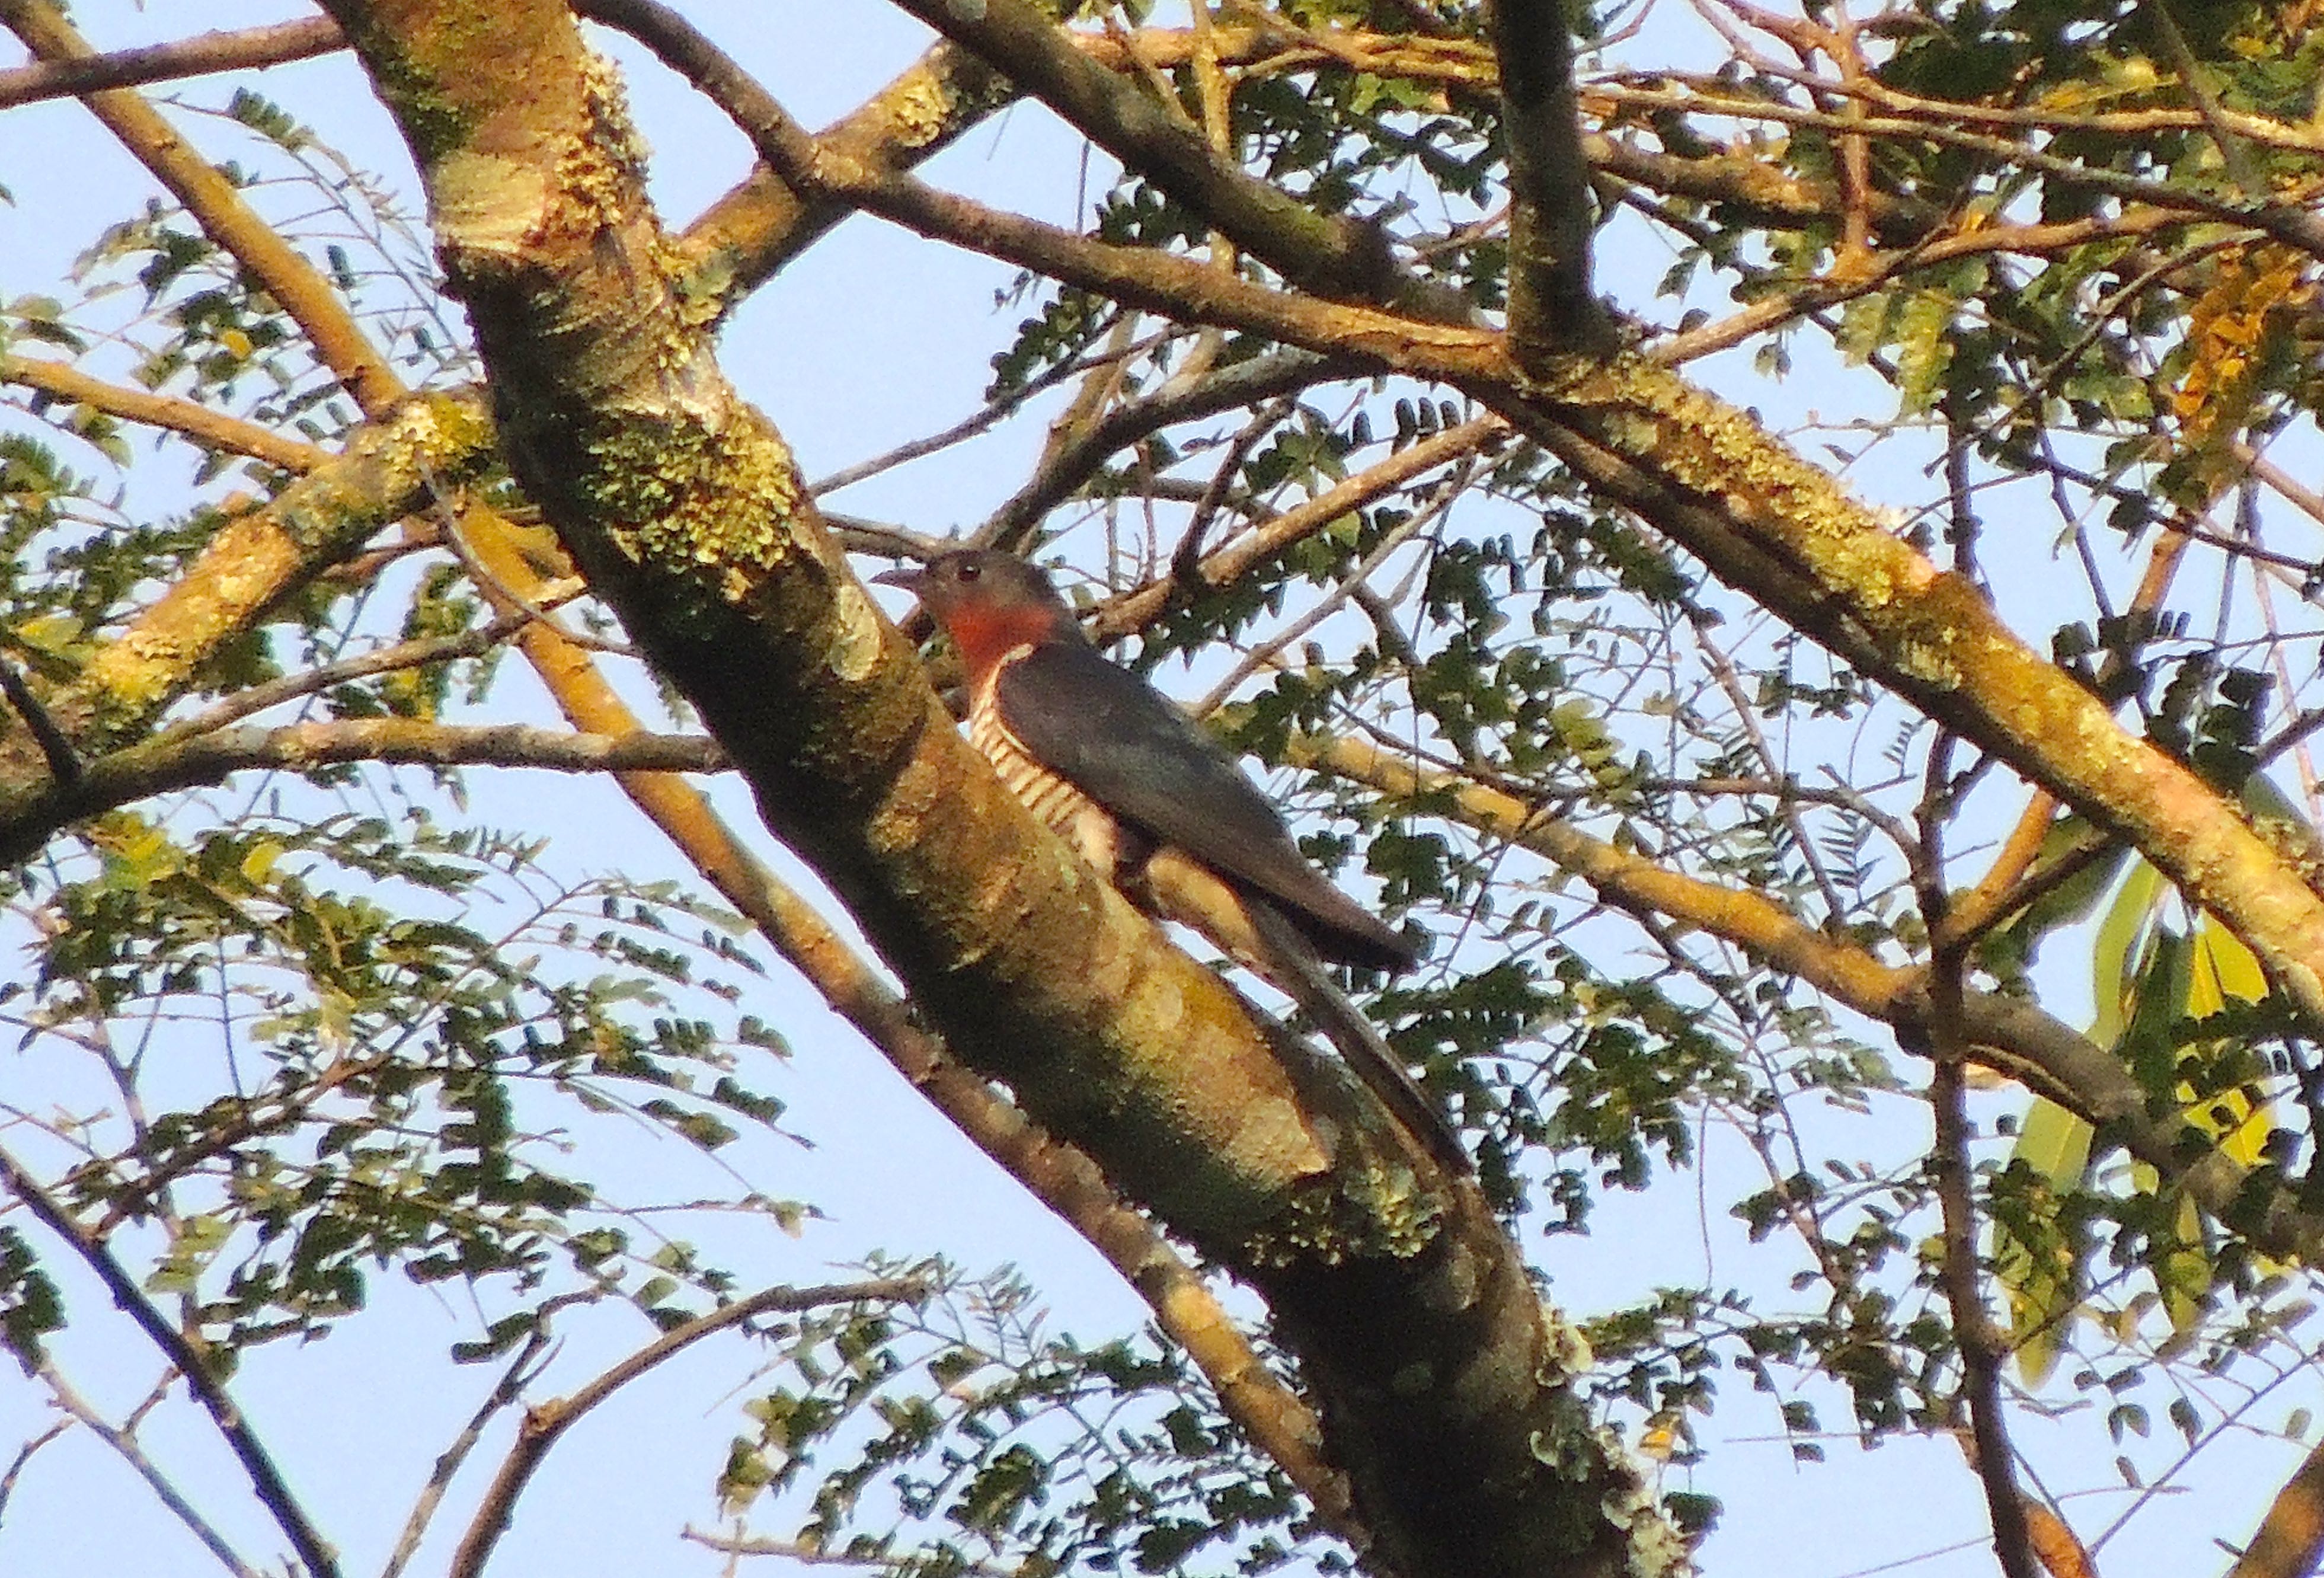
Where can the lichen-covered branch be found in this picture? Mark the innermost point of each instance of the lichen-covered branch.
(2008, 1034)
(253, 562)
(688, 516)
(1550, 307)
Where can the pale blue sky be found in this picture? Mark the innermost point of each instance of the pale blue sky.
(871, 339)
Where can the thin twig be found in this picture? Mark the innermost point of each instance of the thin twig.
(64, 762)
(124, 1442)
(265, 1478)
(544, 1424)
(520, 1373)
(24, 1455)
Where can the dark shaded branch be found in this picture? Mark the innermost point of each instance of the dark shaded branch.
(1335, 255)
(1980, 1347)
(1084, 455)
(64, 765)
(266, 1479)
(1550, 304)
(544, 1424)
(241, 49)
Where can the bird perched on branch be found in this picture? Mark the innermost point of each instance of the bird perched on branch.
(1160, 807)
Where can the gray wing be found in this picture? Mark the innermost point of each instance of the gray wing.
(1123, 744)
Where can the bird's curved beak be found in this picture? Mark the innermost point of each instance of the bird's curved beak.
(910, 577)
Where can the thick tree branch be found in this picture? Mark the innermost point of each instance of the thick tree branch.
(1551, 308)
(265, 1478)
(690, 518)
(2290, 1541)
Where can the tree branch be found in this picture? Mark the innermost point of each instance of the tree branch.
(211, 198)
(212, 430)
(242, 50)
(125, 1446)
(1062, 474)
(1551, 308)
(159, 766)
(2005, 1034)
(543, 1426)
(2290, 1540)
(266, 1479)
(253, 561)
(1339, 256)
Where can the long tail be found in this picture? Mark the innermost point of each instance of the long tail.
(1258, 935)
(1291, 963)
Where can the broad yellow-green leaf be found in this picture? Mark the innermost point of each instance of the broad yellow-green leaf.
(2041, 1271)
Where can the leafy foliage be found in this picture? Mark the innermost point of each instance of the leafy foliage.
(2005, 265)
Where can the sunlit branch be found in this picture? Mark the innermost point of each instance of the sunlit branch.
(544, 1424)
(212, 200)
(1085, 454)
(210, 428)
(2007, 1034)
(2289, 1539)
(1133, 611)
(2280, 215)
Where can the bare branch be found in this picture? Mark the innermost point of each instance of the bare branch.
(126, 1446)
(521, 1372)
(265, 1478)
(1338, 256)
(544, 1424)
(160, 766)
(244, 49)
(64, 765)
(1081, 457)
